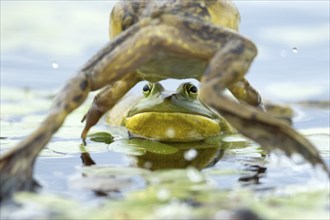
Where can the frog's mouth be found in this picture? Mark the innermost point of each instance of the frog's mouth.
(172, 126)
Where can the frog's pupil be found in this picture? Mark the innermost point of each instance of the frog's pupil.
(146, 88)
(193, 89)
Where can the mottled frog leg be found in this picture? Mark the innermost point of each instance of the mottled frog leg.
(106, 99)
(16, 165)
(244, 92)
(228, 66)
(105, 68)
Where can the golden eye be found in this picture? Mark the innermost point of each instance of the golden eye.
(146, 89)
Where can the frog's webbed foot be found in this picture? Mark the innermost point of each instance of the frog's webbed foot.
(269, 132)
(16, 165)
(16, 174)
(282, 112)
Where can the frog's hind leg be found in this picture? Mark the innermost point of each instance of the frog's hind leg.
(16, 165)
(227, 67)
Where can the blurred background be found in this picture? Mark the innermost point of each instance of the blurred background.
(44, 42)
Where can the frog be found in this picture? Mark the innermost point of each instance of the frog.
(163, 125)
(156, 40)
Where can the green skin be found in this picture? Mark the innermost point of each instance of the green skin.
(181, 112)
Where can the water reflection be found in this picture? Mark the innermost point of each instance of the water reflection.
(206, 155)
(253, 178)
(192, 157)
(154, 155)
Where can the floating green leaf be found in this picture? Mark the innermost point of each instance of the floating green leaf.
(101, 137)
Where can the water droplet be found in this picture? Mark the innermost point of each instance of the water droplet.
(190, 154)
(295, 50)
(147, 165)
(163, 194)
(170, 132)
(55, 65)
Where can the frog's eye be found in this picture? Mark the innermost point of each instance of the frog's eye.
(146, 89)
(192, 90)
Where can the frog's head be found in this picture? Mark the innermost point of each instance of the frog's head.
(178, 116)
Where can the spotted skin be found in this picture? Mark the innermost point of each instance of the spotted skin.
(156, 40)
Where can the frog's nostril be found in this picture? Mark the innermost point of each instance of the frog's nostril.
(175, 96)
(171, 97)
(168, 98)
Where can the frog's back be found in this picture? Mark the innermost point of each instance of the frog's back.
(219, 12)
(164, 65)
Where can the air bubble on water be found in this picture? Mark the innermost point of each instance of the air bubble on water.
(295, 50)
(190, 154)
(55, 65)
(163, 194)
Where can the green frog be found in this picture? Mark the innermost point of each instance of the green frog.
(165, 126)
(155, 40)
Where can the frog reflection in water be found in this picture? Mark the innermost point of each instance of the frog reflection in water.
(156, 40)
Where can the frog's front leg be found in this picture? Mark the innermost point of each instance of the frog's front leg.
(244, 92)
(106, 99)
